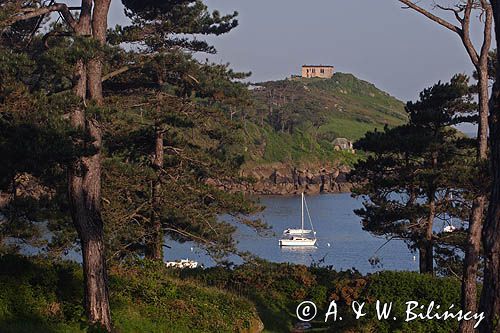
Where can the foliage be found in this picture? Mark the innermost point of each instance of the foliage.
(163, 25)
(417, 172)
(277, 289)
(187, 99)
(38, 295)
(36, 143)
(296, 120)
(189, 107)
(401, 287)
(146, 296)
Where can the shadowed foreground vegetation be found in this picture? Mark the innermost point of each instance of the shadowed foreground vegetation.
(38, 296)
(147, 297)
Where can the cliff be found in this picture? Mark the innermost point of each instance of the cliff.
(290, 132)
(285, 179)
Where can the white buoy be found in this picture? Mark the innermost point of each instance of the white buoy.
(328, 244)
(414, 258)
(192, 249)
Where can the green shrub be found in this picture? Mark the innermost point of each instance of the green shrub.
(36, 296)
(39, 296)
(277, 289)
(401, 287)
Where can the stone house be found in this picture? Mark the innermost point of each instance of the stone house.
(343, 144)
(324, 72)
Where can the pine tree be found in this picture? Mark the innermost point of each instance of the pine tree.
(179, 137)
(408, 176)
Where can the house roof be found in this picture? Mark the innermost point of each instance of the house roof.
(340, 141)
(317, 66)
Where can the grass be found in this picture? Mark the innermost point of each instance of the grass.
(40, 296)
(37, 295)
(263, 145)
(322, 109)
(348, 128)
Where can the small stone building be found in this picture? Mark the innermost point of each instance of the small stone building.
(325, 72)
(343, 144)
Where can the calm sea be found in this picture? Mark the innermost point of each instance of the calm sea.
(342, 243)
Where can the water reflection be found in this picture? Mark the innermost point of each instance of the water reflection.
(299, 249)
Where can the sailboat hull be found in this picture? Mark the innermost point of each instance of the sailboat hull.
(297, 242)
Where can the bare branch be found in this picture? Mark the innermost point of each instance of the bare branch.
(51, 34)
(433, 17)
(117, 72)
(456, 12)
(29, 13)
(463, 31)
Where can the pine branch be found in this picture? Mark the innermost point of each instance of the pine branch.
(29, 13)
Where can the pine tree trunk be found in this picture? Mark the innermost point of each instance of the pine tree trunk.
(99, 30)
(490, 295)
(471, 260)
(427, 247)
(473, 245)
(84, 193)
(154, 246)
(84, 175)
(422, 244)
(483, 109)
(426, 244)
(84, 189)
(425, 257)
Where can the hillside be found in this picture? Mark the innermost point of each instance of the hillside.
(42, 296)
(296, 120)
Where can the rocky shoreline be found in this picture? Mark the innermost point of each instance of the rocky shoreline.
(283, 179)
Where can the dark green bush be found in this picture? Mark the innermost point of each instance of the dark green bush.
(401, 287)
(39, 296)
(36, 296)
(277, 289)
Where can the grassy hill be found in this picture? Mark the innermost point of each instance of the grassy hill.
(38, 295)
(296, 120)
(42, 296)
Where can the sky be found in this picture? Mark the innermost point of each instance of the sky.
(397, 49)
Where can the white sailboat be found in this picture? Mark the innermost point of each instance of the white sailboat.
(298, 236)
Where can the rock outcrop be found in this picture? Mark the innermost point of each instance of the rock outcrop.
(283, 179)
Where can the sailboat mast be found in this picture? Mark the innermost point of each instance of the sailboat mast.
(302, 220)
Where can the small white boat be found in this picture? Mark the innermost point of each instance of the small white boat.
(183, 263)
(298, 236)
(449, 228)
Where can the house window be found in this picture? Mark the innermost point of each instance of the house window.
(322, 71)
(314, 70)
